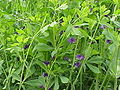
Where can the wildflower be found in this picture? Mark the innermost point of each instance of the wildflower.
(45, 74)
(71, 40)
(77, 64)
(76, 27)
(91, 9)
(66, 58)
(108, 41)
(80, 57)
(46, 63)
(106, 15)
(102, 26)
(26, 46)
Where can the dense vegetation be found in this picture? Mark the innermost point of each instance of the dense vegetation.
(59, 45)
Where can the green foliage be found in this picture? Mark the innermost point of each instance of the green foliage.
(59, 44)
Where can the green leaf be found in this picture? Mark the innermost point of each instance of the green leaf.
(107, 24)
(43, 47)
(118, 70)
(116, 1)
(79, 32)
(40, 56)
(46, 27)
(76, 32)
(16, 76)
(112, 35)
(1, 62)
(56, 86)
(43, 66)
(29, 72)
(106, 12)
(64, 79)
(19, 38)
(93, 68)
(83, 12)
(116, 23)
(62, 7)
(92, 22)
(25, 40)
(62, 62)
(20, 31)
(102, 9)
(36, 82)
(88, 52)
(117, 12)
(96, 60)
(95, 52)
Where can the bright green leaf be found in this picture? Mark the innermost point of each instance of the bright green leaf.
(19, 38)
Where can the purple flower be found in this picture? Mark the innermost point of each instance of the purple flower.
(108, 41)
(66, 58)
(91, 9)
(26, 46)
(106, 15)
(102, 26)
(77, 64)
(71, 40)
(46, 63)
(76, 27)
(45, 74)
(80, 57)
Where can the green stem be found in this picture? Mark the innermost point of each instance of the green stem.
(24, 61)
(81, 80)
(115, 84)
(70, 77)
(85, 58)
(96, 84)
